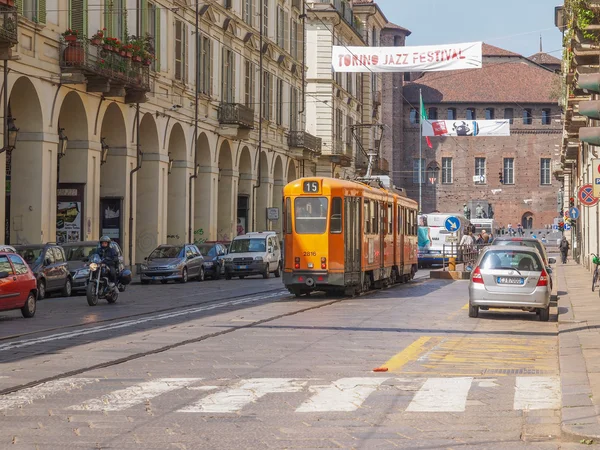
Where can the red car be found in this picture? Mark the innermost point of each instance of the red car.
(18, 286)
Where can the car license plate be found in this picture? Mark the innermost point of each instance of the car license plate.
(242, 267)
(510, 280)
(157, 278)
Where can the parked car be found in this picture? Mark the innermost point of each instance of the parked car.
(173, 262)
(18, 286)
(253, 254)
(213, 254)
(513, 277)
(7, 249)
(49, 265)
(78, 256)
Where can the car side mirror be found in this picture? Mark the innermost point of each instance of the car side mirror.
(3, 275)
(469, 269)
(551, 260)
(270, 249)
(549, 270)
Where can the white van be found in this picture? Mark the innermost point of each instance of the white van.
(257, 253)
(488, 225)
(441, 239)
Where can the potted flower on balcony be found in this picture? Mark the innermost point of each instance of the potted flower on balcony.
(128, 50)
(70, 35)
(98, 38)
(147, 58)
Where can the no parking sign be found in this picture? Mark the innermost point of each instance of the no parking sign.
(586, 196)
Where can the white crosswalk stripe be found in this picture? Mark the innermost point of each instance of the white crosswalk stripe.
(537, 393)
(442, 395)
(418, 395)
(134, 395)
(347, 394)
(242, 394)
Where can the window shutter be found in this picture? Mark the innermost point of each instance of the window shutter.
(41, 12)
(19, 6)
(223, 76)
(286, 31)
(157, 42)
(145, 12)
(233, 74)
(186, 67)
(108, 19)
(272, 96)
(211, 65)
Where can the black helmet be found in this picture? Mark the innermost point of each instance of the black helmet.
(104, 239)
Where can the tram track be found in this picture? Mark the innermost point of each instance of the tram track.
(204, 337)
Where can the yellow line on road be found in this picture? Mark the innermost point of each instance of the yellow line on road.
(465, 307)
(410, 353)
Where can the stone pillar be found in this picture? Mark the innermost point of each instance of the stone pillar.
(151, 205)
(178, 194)
(264, 199)
(226, 212)
(246, 185)
(278, 203)
(205, 206)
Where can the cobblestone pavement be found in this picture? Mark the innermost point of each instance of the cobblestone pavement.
(276, 372)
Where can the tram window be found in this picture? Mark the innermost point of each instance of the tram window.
(390, 219)
(399, 230)
(335, 221)
(367, 216)
(288, 215)
(374, 214)
(311, 215)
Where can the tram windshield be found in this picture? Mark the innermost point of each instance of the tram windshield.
(311, 215)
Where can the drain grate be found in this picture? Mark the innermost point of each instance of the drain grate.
(516, 372)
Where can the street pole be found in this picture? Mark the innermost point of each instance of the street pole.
(420, 154)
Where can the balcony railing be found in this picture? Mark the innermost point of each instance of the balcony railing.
(236, 114)
(103, 66)
(9, 21)
(304, 140)
(345, 11)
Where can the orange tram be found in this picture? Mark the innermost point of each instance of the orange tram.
(347, 237)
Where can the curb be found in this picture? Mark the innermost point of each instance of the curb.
(449, 275)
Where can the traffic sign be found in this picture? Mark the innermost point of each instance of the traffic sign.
(574, 213)
(567, 227)
(586, 195)
(596, 177)
(452, 223)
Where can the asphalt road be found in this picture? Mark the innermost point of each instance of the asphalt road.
(241, 364)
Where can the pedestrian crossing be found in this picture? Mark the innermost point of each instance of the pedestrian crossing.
(345, 395)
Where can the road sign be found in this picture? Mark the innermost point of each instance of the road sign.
(567, 227)
(452, 223)
(273, 213)
(586, 195)
(596, 177)
(452, 239)
(555, 227)
(574, 213)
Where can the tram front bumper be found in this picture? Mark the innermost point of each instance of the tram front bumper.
(312, 278)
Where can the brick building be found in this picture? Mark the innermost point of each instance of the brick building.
(507, 86)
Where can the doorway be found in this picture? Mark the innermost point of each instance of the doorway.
(111, 218)
(243, 202)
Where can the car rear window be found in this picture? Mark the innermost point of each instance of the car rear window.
(532, 244)
(510, 260)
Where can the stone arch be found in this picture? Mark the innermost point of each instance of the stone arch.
(30, 177)
(247, 180)
(263, 193)
(227, 191)
(205, 190)
(292, 173)
(180, 171)
(114, 177)
(527, 220)
(151, 191)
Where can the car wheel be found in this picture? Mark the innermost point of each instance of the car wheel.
(473, 311)
(145, 281)
(265, 274)
(28, 309)
(41, 290)
(184, 276)
(217, 274)
(545, 314)
(201, 274)
(164, 281)
(278, 271)
(227, 276)
(66, 291)
(241, 277)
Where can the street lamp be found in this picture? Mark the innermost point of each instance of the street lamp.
(105, 148)
(62, 143)
(170, 164)
(13, 133)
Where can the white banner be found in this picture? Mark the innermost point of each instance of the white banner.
(466, 128)
(427, 58)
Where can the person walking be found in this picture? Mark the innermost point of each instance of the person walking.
(564, 249)
(485, 237)
(510, 229)
(520, 230)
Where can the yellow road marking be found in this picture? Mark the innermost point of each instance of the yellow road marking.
(410, 353)
(465, 307)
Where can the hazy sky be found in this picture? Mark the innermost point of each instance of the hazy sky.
(515, 25)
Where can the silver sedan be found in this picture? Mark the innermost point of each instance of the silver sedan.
(511, 277)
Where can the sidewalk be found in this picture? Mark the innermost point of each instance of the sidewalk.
(579, 351)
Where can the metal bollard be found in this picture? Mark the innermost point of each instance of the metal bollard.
(452, 264)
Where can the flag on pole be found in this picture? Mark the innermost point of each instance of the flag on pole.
(423, 119)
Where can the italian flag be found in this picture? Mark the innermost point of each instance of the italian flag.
(423, 119)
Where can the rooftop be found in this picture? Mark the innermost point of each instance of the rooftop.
(393, 26)
(490, 50)
(544, 59)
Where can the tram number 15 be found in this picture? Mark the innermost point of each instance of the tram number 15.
(311, 187)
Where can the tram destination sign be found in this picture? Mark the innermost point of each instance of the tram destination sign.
(311, 187)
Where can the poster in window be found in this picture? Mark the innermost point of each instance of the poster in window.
(68, 222)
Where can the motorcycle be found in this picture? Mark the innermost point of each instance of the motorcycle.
(98, 286)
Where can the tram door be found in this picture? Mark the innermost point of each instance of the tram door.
(352, 241)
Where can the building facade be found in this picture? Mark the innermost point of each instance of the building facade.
(514, 174)
(107, 142)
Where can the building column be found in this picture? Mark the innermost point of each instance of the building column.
(264, 198)
(227, 208)
(205, 206)
(278, 203)
(178, 194)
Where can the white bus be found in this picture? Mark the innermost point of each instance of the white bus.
(488, 225)
(442, 244)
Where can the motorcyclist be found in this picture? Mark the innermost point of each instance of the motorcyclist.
(110, 258)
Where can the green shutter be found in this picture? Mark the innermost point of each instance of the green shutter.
(20, 6)
(78, 16)
(108, 18)
(145, 12)
(41, 12)
(157, 38)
